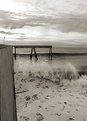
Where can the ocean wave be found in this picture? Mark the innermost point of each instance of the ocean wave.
(44, 70)
(62, 75)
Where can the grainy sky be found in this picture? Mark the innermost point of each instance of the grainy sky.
(44, 21)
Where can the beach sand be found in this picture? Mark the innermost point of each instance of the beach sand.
(45, 94)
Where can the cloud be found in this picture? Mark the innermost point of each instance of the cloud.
(3, 32)
(9, 20)
(66, 23)
(73, 24)
(11, 33)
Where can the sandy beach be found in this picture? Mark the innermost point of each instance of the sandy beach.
(44, 92)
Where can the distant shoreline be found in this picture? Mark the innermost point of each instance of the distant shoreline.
(60, 54)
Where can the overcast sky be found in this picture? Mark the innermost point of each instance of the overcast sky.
(45, 21)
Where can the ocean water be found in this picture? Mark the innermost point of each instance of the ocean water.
(59, 49)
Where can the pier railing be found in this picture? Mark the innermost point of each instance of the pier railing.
(33, 49)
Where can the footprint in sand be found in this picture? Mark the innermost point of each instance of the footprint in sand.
(31, 80)
(25, 118)
(46, 86)
(38, 85)
(27, 98)
(71, 95)
(71, 119)
(58, 114)
(77, 110)
(39, 106)
(26, 104)
(65, 103)
(20, 86)
(34, 97)
(39, 117)
(46, 108)
(46, 98)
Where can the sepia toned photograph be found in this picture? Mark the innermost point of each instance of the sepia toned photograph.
(43, 60)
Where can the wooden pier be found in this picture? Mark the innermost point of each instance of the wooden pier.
(33, 49)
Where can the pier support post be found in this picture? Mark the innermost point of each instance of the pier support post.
(33, 49)
(31, 54)
(15, 52)
(35, 54)
(50, 53)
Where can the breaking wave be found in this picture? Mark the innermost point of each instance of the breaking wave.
(66, 74)
(47, 71)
